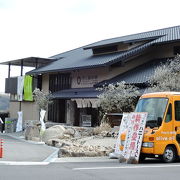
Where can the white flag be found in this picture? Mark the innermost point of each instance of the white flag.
(19, 121)
(20, 86)
(42, 115)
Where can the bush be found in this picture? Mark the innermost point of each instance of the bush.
(42, 98)
(118, 98)
(104, 126)
(166, 76)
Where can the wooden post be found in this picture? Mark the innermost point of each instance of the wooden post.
(21, 75)
(9, 70)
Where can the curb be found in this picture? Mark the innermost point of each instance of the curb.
(23, 163)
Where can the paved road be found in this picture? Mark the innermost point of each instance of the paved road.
(74, 168)
(97, 169)
(21, 150)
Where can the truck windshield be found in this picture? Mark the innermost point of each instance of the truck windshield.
(155, 107)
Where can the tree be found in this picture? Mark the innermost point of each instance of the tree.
(118, 98)
(42, 99)
(166, 76)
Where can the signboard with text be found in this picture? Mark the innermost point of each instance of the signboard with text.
(122, 128)
(135, 131)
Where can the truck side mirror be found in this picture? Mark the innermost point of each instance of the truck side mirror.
(159, 121)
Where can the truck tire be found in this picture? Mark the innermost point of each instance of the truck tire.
(169, 155)
(142, 158)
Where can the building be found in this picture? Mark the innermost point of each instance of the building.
(72, 77)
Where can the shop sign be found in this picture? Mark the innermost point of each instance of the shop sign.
(122, 128)
(134, 136)
(87, 79)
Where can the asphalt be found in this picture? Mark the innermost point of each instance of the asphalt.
(16, 149)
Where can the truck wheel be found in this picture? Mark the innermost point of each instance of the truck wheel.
(142, 157)
(169, 155)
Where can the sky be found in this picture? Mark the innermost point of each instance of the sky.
(43, 28)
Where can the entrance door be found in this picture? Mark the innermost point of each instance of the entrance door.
(56, 111)
(76, 115)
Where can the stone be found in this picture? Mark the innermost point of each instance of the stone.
(66, 136)
(31, 123)
(122, 159)
(114, 155)
(91, 154)
(58, 145)
(77, 150)
(91, 148)
(55, 142)
(102, 149)
(132, 160)
(78, 154)
(70, 131)
(77, 134)
(31, 131)
(63, 152)
(36, 139)
(54, 132)
(104, 133)
(87, 132)
(50, 142)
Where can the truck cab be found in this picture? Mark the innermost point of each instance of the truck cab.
(162, 132)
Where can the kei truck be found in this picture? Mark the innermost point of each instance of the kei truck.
(162, 132)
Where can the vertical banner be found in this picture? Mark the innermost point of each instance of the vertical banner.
(20, 86)
(42, 115)
(1, 121)
(122, 128)
(28, 95)
(19, 121)
(134, 136)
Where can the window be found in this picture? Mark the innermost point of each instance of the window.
(177, 110)
(11, 85)
(176, 50)
(155, 107)
(59, 82)
(37, 82)
(169, 114)
(104, 50)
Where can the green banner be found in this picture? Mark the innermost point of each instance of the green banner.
(28, 94)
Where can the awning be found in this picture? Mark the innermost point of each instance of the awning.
(29, 62)
(84, 103)
(76, 93)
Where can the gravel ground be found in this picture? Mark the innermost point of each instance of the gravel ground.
(106, 141)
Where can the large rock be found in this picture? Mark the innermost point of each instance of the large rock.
(54, 132)
(81, 151)
(31, 132)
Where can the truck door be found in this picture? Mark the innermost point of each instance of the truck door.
(177, 122)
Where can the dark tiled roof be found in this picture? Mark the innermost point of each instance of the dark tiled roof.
(76, 93)
(138, 75)
(160, 35)
(83, 57)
